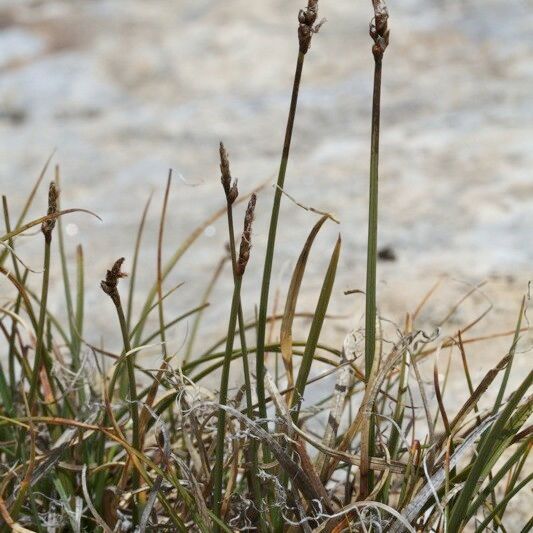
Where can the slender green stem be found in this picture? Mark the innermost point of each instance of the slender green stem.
(134, 410)
(238, 271)
(242, 329)
(80, 300)
(370, 315)
(370, 304)
(271, 243)
(253, 478)
(223, 398)
(160, 310)
(109, 286)
(39, 344)
(11, 356)
(130, 368)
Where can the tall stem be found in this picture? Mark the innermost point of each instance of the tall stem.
(223, 398)
(267, 271)
(109, 286)
(47, 228)
(239, 269)
(370, 321)
(380, 34)
(39, 344)
(253, 478)
(307, 19)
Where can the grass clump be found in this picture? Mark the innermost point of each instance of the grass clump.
(124, 447)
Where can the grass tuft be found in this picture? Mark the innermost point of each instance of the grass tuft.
(90, 446)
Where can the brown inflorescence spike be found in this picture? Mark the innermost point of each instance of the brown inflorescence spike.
(225, 178)
(230, 188)
(307, 18)
(109, 285)
(48, 225)
(246, 240)
(379, 28)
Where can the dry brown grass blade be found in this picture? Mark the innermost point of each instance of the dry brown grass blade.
(474, 398)
(376, 463)
(304, 460)
(23, 294)
(437, 479)
(426, 298)
(299, 476)
(369, 398)
(290, 305)
(438, 393)
(232, 480)
(99, 520)
(46, 218)
(461, 300)
(480, 338)
(424, 398)
(307, 466)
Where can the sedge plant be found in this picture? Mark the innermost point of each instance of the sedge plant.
(93, 438)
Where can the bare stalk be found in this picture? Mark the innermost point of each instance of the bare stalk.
(110, 287)
(231, 191)
(240, 267)
(306, 18)
(379, 32)
(47, 228)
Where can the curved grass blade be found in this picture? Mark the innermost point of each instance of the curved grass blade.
(290, 304)
(491, 447)
(29, 201)
(314, 332)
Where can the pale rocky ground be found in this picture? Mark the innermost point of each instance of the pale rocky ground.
(124, 90)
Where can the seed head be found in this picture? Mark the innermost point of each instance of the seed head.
(379, 29)
(306, 19)
(109, 284)
(246, 240)
(48, 225)
(230, 188)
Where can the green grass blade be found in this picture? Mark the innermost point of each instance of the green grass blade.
(523, 450)
(28, 203)
(482, 527)
(204, 303)
(173, 261)
(66, 281)
(136, 251)
(512, 350)
(271, 242)
(292, 298)
(314, 332)
(491, 447)
(223, 398)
